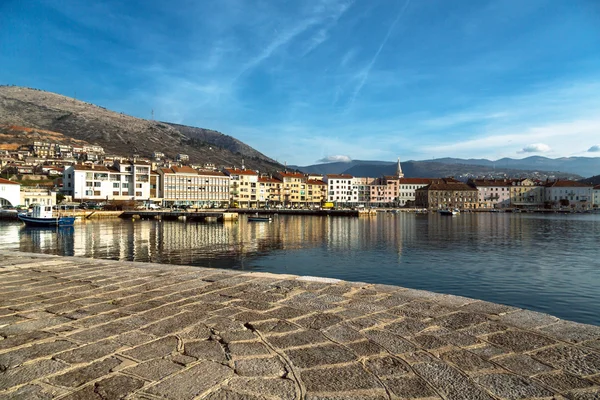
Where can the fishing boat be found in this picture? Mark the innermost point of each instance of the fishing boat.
(256, 218)
(44, 216)
(449, 212)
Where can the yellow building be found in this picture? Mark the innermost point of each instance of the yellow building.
(293, 187)
(269, 191)
(243, 187)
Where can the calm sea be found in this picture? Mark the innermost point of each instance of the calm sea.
(547, 263)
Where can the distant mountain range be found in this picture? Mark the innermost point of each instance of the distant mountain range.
(571, 167)
(30, 114)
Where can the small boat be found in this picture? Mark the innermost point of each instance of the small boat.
(256, 218)
(44, 216)
(449, 212)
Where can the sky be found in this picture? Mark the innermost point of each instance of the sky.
(328, 80)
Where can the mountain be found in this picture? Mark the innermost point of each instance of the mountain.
(30, 114)
(426, 169)
(594, 180)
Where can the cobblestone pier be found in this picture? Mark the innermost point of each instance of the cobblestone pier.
(75, 328)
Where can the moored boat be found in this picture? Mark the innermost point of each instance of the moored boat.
(449, 212)
(44, 216)
(256, 218)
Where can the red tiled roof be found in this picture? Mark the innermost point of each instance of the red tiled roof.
(237, 171)
(84, 167)
(210, 173)
(339, 176)
(492, 182)
(184, 170)
(291, 174)
(7, 182)
(268, 179)
(315, 182)
(567, 184)
(415, 181)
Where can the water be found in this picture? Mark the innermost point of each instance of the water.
(547, 263)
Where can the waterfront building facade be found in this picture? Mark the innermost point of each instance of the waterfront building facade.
(37, 195)
(293, 188)
(407, 188)
(317, 192)
(10, 193)
(447, 193)
(269, 191)
(493, 193)
(570, 195)
(187, 186)
(339, 188)
(525, 193)
(243, 187)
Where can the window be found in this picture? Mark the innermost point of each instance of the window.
(116, 185)
(97, 184)
(116, 193)
(125, 185)
(138, 185)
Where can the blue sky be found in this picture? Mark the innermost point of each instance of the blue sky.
(303, 81)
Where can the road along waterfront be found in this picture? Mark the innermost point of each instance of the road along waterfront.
(82, 328)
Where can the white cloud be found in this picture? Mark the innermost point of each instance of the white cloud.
(535, 148)
(338, 158)
(594, 149)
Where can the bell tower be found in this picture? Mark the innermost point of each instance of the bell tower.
(399, 173)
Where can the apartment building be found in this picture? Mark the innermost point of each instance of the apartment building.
(493, 193)
(10, 193)
(243, 187)
(293, 188)
(188, 186)
(525, 193)
(339, 188)
(568, 195)
(269, 191)
(317, 192)
(447, 193)
(407, 188)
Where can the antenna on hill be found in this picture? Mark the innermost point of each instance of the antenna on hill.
(75, 95)
(153, 114)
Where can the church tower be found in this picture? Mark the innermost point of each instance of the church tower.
(399, 173)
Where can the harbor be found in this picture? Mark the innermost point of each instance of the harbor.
(74, 327)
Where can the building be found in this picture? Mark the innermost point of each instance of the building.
(293, 188)
(361, 190)
(242, 187)
(493, 193)
(187, 186)
(123, 181)
(339, 188)
(37, 195)
(447, 193)
(10, 193)
(182, 158)
(158, 155)
(317, 192)
(568, 195)
(269, 191)
(525, 193)
(596, 194)
(407, 188)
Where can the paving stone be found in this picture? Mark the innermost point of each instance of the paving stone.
(409, 387)
(181, 359)
(484, 329)
(319, 355)
(32, 325)
(319, 321)
(89, 352)
(572, 331)
(372, 394)
(295, 339)
(192, 382)
(526, 319)
(206, 350)
(133, 338)
(342, 333)
(28, 392)
(117, 386)
(264, 367)
(29, 337)
(79, 376)
(592, 394)
(576, 360)
(16, 357)
(391, 342)
(386, 366)
(225, 394)
(488, 351)
(450, 381)
(274, 326)
(407, 327)
(485, 307)
(274, 387)
(286, 313)
(97, 319)
(154, 370)
(467, 361)
(460, 320)
(237, 336)
(562, 381)
(156, 349)
(512, 386)
(421, 309)
(519, 341)
(364, 322)
(458, 339)
(171, 325)
(429, 341)
(345, 378)
(244, 349)
(365, 348)
(522, 364)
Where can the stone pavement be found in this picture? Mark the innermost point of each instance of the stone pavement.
(75, 328)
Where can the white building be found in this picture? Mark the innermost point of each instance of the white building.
(36, 195)
(243, 187)
(569, 195)
(340, 188)
(407, 189)
(596, 195)
(493, 193)
(185, 185)
(123, 181)
(10, 193)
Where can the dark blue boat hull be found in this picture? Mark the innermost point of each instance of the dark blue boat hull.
(58, 221)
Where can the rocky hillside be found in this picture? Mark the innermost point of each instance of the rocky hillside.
(31, 114)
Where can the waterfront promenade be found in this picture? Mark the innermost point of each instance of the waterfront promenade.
(76, 328)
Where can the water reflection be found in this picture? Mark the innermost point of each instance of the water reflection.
(546, 263)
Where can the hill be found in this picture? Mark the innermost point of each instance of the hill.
(594, 180)
(31, 114)
(425, 169)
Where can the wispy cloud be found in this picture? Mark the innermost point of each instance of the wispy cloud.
(338, 158)
(594, 149)
(363, 75)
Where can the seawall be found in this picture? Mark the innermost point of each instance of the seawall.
(76, 328)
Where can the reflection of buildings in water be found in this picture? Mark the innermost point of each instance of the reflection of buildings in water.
(53, 240)
(298, 232)
(10, 235)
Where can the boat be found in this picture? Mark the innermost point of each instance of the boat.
(44, 216)
(449, 212)
(256, 218)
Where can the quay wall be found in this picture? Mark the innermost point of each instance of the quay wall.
(74, 328)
